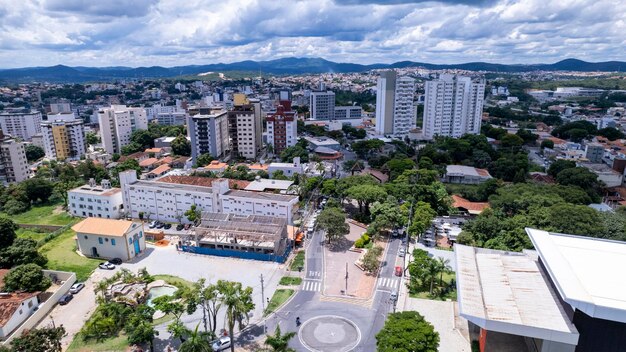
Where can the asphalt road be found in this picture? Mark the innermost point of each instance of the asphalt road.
(306, 304)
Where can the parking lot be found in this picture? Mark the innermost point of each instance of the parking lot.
(191, 267)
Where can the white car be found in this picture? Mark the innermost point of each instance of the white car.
(106, 266)
(221, 344)
(153, 224)
(76, 288)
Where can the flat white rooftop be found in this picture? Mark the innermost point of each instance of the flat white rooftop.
(586, 271)
(508, 292)
(260, 185)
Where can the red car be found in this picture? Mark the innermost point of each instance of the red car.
(398, 271)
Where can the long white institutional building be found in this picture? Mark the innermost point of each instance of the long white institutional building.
(453, 106)
(167, 201)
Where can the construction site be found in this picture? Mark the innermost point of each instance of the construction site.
(238, 235)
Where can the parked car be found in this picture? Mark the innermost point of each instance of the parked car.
(76, 287)
(65, 299)
(394, 296)
(152, 224)
(167, 226)
(398, 271)
(187, 226)
(180, 227)
(401, 252)
(116, 261)
(106, 266)
(221, 344)
(160, 225)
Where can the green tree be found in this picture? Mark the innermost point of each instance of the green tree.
(371, 259)
(181, 146)
(131, 148)
(7, 232)
(237, 303)
(511, 142)
(139, 328)
(39, 340)
(194, 214)
(407, 332)
(580, 177)
(611, 133)
(560, 165)
(38, 189)
(198, 341)
(22, 251)
(333, 222)
(203, 160)
(92, 138)
(397, 166)
(423, 215)
(365, 195)
(143, 138)
(547, 143)
(26, 277)
(279, 342)
(33, 152)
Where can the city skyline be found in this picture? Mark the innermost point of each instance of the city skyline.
(167, 33)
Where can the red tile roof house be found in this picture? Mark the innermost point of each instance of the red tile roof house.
(15, 308)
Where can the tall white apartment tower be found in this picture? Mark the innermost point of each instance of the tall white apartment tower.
(395, 112)
(117, 123)
(453, 106)
(322, 105)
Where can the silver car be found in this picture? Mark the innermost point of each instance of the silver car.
(76, 288)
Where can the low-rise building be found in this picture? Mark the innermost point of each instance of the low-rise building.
(108, 238)
(288, 169)
(465, 175)
(15, 308)
(559, 297)
(93, 200)
(326, 142)
(167, 199)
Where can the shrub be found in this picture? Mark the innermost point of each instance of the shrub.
(359, 243)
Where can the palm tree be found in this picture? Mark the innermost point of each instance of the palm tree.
(197, 342)
(444, 266)
(279, 342)
(237, 302)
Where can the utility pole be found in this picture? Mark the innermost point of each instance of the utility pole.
(346, 278)
(263, 304)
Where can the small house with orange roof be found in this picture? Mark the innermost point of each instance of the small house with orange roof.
(215, 166)
(149, 164)
(156, 152)
(158, 172)
(15, 308)
(469, 207)
(108, 238)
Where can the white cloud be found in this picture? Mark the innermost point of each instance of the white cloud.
(174, 32)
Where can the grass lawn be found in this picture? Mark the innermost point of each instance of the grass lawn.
(289, 280)
(450, 295)
(62, 256)
(119, 343)
(279, 297)
(297, 262)
(43, 215)
(35, 234)
(173, 280)
(164, 319)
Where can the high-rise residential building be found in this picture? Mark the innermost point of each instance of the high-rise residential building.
(453, 106)
(20, 123)
(282, 127)
(117, 123)
(245, 127)
(63, 137)
(208, 133)
(322, 105)
(395, 113)
(13, 162)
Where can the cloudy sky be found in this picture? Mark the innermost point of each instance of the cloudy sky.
(180, 32)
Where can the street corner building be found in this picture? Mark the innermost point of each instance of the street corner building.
(109, 238)
(561, 297)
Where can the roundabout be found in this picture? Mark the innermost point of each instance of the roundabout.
(329, 333)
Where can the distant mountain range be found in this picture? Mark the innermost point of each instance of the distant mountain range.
(61, 73)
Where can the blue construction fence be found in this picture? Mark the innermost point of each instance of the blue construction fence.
(238, 254)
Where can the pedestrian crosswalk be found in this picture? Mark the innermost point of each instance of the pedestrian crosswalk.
(314, 274)
(387, 282)
(314, 286)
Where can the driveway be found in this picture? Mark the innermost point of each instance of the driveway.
(74, 314)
